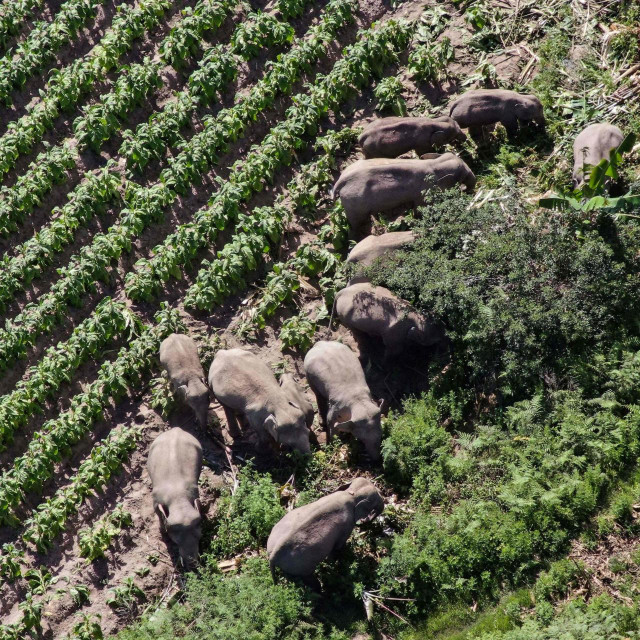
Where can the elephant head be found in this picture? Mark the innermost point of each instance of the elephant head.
(362, 420)
(288, 427)
(530, 108)
(368, 503)
(196, 395)
(182, 522)
(448, 133)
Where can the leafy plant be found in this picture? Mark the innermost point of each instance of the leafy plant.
(388, 93)
(94, 541)
(428, 62)
(592, 195)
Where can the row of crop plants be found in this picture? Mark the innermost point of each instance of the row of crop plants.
(216, 70)
(145, 205)
(48, 520)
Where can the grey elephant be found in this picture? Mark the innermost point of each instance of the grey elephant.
(373, 247)
(245, 385)
(308, 535)
(174, 465)
(591, 146)
(179, 358)
(481, 107)
(368, 187)
(296, 395)
(345, 404)
(391, 137)
(378, 312)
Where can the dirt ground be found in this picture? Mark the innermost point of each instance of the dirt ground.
(132, 488)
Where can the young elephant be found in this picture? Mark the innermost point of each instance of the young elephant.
(391, 137)
(480, 107)
(372, 247)
(243, 384)
(593, 144)
(179, 357)
(309, 534)
(296, 395)
(336, 378)
(368, 187)
(378, 312)
(174, 464)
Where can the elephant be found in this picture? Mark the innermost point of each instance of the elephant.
(179, 357)
(480, 107)
(378, 312)
(373, 186)
(591, 146)
(336, 378)
(296, 395)
(243, 384)
(308, 535)
(372, 247)
(174, 465)
(391, 137)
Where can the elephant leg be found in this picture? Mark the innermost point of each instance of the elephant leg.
(232, 422)
(510, 123)
(312, 583)
(323, 407)
(475, 132)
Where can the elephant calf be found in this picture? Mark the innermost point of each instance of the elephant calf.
(378, 312)
(391, 137)
(309, 534)
(174, 464)
(480, 107)
(372, 247)
(336, 378)
(368, 187)
(179, 357)
(593, 144)
(243, 384)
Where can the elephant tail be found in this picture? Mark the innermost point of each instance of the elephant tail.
(272, 567)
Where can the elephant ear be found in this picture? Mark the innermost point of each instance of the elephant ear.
(438, 138)
(345, 487)
(181, 392)
(271, 426)
(343, 421)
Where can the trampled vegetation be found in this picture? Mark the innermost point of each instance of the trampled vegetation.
(167, 167)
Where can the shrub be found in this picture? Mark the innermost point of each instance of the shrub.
(414, 446)
(241, 606)
(246, 517)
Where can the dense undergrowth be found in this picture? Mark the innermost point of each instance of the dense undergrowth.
(528, 439)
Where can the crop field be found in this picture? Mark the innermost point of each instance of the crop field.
(167, 167)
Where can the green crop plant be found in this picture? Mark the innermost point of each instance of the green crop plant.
(429, 62)
(126, 596)
(388, 93)
(94, 541)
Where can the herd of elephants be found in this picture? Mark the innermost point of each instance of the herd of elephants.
(279, 410)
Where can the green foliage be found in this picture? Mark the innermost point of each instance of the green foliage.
(388, 93)
(87, 628)
(245, 517)
(126, 596)
(428, 62)
(520, 297)
(524, 487)
(236, 607)
(416, 441)
(94, 541)
(560, 577)
(593, 194)
(298, 332)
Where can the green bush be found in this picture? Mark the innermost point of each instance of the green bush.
(520, 293)
(415, 442)
(245, 518)
(555, 583)
(243, 606)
